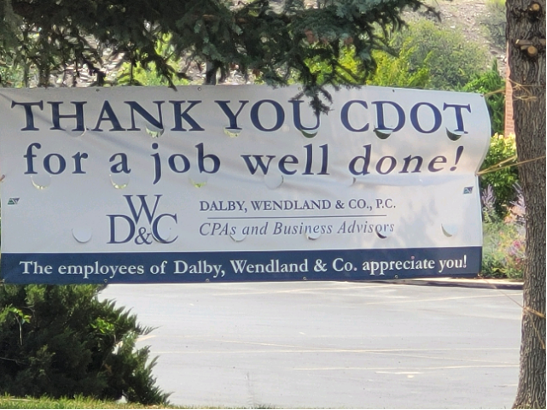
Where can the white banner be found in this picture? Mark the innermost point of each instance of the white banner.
(144, 184)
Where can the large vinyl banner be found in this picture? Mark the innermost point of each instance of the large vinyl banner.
(238, 183)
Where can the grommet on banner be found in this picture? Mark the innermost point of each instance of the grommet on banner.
(82, 235)
(163, 234)
(232, 134)
(238, 236)
(198, 179)
(449, 229)
(119, 181)
(76, 133)
(312, 236)
(273, 181)
(41, 181)
(309, 134)
(154, 132)
(454, 135)
(383, 134)
(349, 180)
(383, 232)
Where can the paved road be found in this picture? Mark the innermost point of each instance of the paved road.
(330, 344)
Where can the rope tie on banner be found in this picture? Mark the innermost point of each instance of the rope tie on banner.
(500, 91)
(525, 89)
(501, 165)
(534, 312)
(526, 310)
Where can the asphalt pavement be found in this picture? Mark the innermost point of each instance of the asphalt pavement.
(332, 344)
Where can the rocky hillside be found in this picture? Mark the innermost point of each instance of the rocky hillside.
(467, 16)
(462, 15)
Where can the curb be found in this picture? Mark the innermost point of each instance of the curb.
(454, 282)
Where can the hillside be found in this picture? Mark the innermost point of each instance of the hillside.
(466, 16)
(461, 15)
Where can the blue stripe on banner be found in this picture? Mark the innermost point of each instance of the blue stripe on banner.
(194, 267)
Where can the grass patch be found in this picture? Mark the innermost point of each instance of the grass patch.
(7, 402)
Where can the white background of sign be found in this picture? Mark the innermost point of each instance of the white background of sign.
(68, 212)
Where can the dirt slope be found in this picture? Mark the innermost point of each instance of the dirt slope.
(466, 16)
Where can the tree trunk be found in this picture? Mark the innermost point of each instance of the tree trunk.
(526, 45)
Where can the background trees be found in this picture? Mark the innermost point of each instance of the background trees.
(275, 40)
(450, 61)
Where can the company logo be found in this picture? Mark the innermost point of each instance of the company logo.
(143, 224)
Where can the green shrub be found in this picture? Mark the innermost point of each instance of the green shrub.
(348, 70)
(504, 246)
(443, 55)
(504, 250)
(61, 341)
(396, 71)
(152, 73)
(492, 85)
(501, 180)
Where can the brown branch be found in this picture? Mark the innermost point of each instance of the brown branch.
(535, 312)
(10, 360)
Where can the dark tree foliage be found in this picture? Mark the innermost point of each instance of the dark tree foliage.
(62, 341)
(276, 40)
